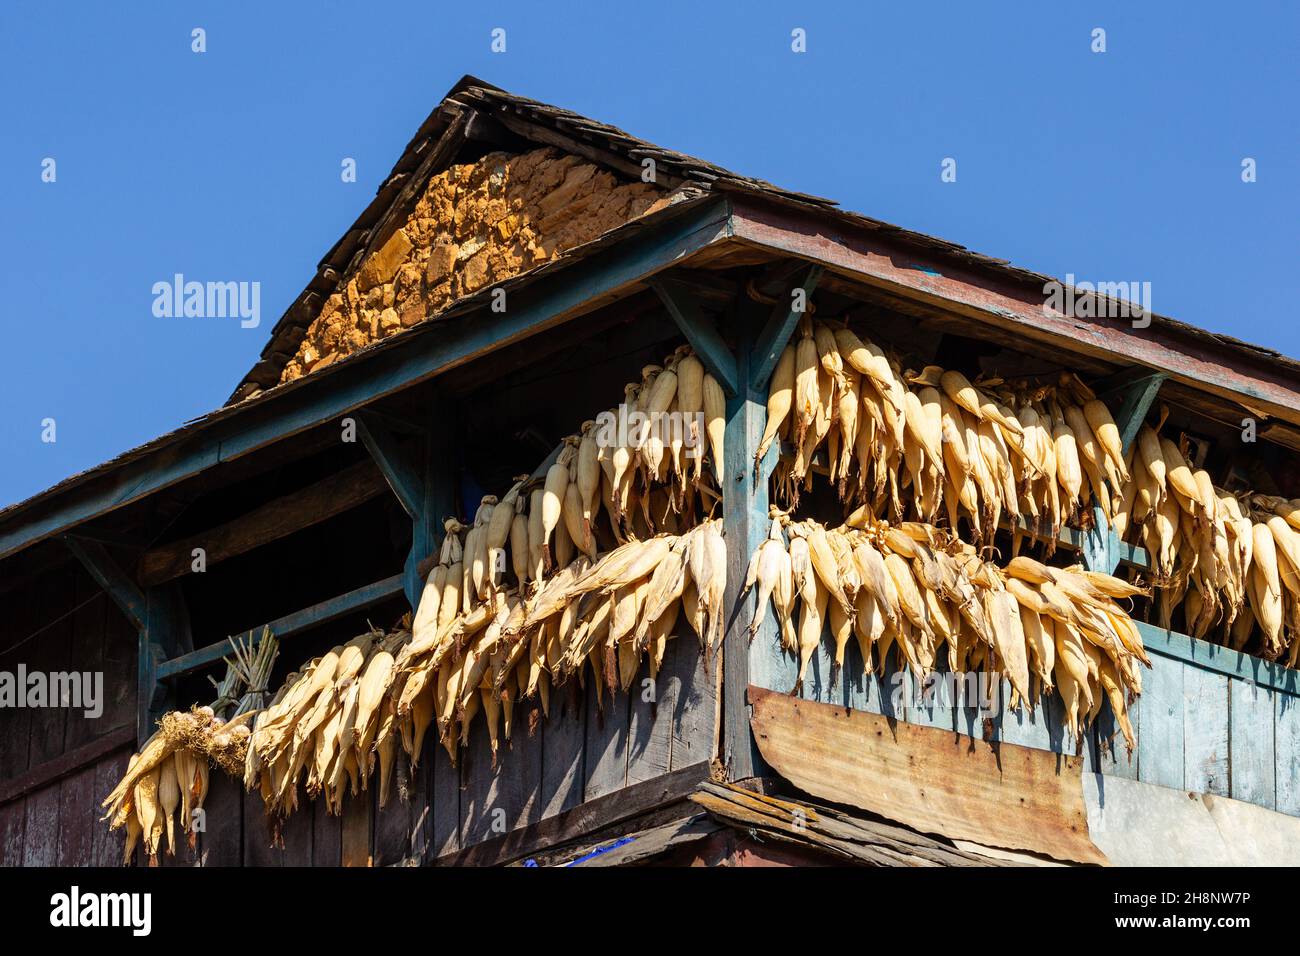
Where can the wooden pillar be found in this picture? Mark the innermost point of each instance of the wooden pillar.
(744, 523)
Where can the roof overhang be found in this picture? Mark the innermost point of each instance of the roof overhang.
(736, 225)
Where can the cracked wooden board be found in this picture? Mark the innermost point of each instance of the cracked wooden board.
(935, 781)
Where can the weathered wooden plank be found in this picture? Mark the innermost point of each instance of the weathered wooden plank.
(650, 722)
(1286, 730)
(326, 836)
(564, 736)
(446, 801)
(41, 829)
(89, 636)
(51, 653)
(289, 625)
(221, 841)
(356, 844)
(1115, 760)
(259, 849)
(605, 762)
(107, 845)
(77, 818)
(584, 819)
(420, 787)
(22, 618)
(1205, 731)
(699, 330)
(424, 351)
(1250, 746)
(13, 821)
(1160, 745)
(695, 719)
(66, 763)
(276, 519)
(296, 838)
(1221, 660)
(1130, 394)
(932, 780)
(392, 827)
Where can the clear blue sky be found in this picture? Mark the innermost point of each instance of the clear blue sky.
(225, 165)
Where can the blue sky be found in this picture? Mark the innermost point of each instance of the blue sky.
(225, 165)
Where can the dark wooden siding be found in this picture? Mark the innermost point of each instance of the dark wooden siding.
(54, 819)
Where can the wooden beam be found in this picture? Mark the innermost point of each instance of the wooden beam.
(429, 349)
(1129, 394)
(115, 582)
(272, 521)
(928, 778)
(699, 330)
(776, 334)
(289, 625)
(583, 820)
(744, 484)
(886, 257)
(1220, 660)
(404, 476)
(69, 762)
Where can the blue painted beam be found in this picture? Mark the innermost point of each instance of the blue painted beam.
(1221, 660)
(418, 354)
(780, 326)
(699, 330)
(115, 582)
(1130, 394)
(287, 626)
(404, 477)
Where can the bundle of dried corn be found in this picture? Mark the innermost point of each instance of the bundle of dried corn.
(987, 451)
(171, 773)
(1231, 561)
(605, 610)
(915, 587)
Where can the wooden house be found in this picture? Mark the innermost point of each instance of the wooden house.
(622, 251)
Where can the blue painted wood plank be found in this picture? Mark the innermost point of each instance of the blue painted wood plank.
(700, 331)
(1253, 759)
(1129, 394)
(1221, 660)
(416, 355)
(1160, 745)
(780, 326)
(1205, 731)
(1025, 728)
(1286, 737)
(290, 624)
(404, 476)
(1113, 756)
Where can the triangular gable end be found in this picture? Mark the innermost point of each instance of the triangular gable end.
(481, 194)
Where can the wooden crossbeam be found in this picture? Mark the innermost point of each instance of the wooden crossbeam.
(290, 624)
(699, 330)
(276, 519)
(402, 474)
(115, 582)
(780, 326)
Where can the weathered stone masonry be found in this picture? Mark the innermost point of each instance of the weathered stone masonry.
(476, 224)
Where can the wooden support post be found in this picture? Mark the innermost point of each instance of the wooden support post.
(744, 524)
(1130, 393)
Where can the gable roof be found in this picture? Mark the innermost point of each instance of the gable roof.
(475, 112)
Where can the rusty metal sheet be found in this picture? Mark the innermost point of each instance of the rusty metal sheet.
(935, 781)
